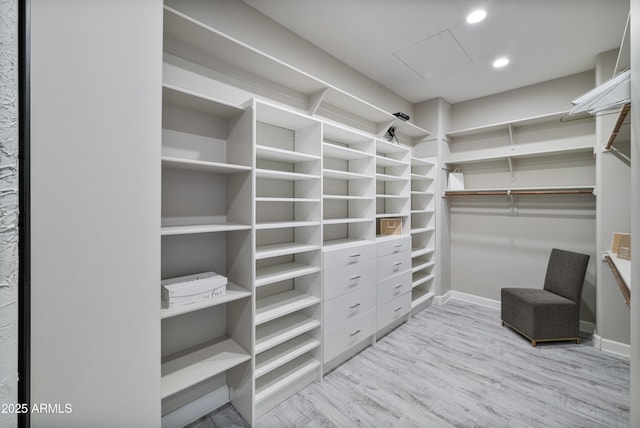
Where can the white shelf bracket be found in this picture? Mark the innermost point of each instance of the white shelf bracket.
(315, 100)
(513, 146)
(510, 162)
(513, 211)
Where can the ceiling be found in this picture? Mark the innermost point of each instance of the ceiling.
(423, 49)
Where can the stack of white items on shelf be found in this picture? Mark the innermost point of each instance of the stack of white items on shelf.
(189, 289)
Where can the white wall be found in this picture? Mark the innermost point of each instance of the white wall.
(96, 123)
(613, 215)
(8, 208)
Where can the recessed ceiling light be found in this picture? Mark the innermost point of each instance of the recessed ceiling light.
(500, 62)
(476, 16)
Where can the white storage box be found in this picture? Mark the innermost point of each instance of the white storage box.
(192, 288)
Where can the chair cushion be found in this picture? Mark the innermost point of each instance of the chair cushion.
(540, 314)
(565, 273)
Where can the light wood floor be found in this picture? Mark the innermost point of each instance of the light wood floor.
(455, 366)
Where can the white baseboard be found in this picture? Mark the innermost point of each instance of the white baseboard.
(611, 346)
(441, 300)
(585, 326)
(196, 409)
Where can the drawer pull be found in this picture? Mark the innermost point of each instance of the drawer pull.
(396, 264)
(353, 258)
(398, 286)
(355, 278)
(397, 309)
(355, 332)
(354, 306)
(397, 246)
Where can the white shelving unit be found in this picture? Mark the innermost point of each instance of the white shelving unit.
(288, 213)
(393, 183)
(423, 213)
(207, 218)
(348, 186)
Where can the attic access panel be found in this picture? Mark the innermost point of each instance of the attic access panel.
(438, 54)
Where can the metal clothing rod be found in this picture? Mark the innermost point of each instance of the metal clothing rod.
(519, 192)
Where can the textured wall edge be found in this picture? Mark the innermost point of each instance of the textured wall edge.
(8, 208)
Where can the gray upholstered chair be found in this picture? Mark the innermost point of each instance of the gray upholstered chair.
(553, 313)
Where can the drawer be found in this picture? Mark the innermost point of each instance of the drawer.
(393, 245)
(348, 334)
(349, 255)
(349, 306)
(393, 310)
(393, 287)
(392, 265)
(340, 280)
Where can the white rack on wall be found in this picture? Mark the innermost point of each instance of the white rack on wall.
(537, 152)
(288, 191)
(206, 226)
(423, 221)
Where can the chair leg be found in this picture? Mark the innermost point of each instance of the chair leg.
(577, 340)
(503, 323)
(533, 343)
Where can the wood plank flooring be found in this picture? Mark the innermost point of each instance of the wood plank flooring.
(455, 366)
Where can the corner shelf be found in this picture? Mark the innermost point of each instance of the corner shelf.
(234, 292)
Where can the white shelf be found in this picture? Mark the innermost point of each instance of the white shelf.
(387, 177)
(281, 354)
(422, 279)
(202, 228)
(348, 198)
(283, 376)
(422, 266)
(388, 148)
(284, 175)
(516, 154)
(389, 162)
(417, 301)
(344, 175)
(344, 153)
(421, 252)
(271, 153)
(421, 177)
(189, 368)
(234, 292)
(421, 162)
(181, 97)
(345, 220)
(384, 215)
(285, 224)
(505, 125)
(422, 230)
(282, 329)
(287, 248)
(197, 165)
(335, 244)
(270, 274)
(296, 200)
(278, 305)
(389, 196)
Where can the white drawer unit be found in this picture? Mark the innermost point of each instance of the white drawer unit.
(393, 245)
(340, 280)
(393, 310)
(348, 306)
(393, 287)
(392, 265)
(349, 256)
(348, 334)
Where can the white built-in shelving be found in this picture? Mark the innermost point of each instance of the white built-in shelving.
(393, 183)
(288, 210)
(423, 220)
(206, 219)
(348, 186)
